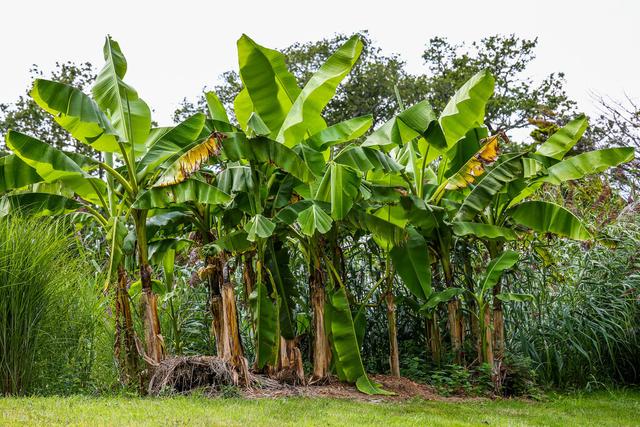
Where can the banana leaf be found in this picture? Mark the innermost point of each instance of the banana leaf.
(546, 217)
(305, 116)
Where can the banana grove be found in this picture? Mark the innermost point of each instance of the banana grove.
(440, 199)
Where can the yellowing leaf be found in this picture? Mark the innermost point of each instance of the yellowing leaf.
(475, 166)
(489, 152)
(190, 161)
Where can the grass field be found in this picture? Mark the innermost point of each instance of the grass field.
(614, 409)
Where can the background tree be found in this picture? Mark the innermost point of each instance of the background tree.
(25, 116)
(517, 99)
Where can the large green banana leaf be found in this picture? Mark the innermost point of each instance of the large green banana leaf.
(172, 143)
(277, 262)
(128, 114)
(591, 162)
(15, 173)
(339, 186)
(54, 165)
(259, 226)
(170, 222)
(315, 160)
(77, 113)
(243, 107)
(417, 120)
(493, 182)
(49, 162)
(564, 139)
(235, 242)
(238, 147)
(421, 214)
(216, 109)
(546, 217)
(192, 190)
(305, 117)
(365, 159)
(289, 213)
(496, 267)
(483, 231)
(313, 219)
(576, 167)
(37, 204)
(236, 178)
(437, 298)
(270, 86)
(160, 248)
(265, 315)
(345, 344)
(339, 133)
(465, 110)
(412, 262)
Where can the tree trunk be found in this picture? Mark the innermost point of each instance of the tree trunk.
(498, 324)
(321, 348)
(454, 311)
(248, 276)
(394, 356)
(290, 366)
(125, 344)
(217, 315)
(456, 329)
(495, 248)
(435, 343)
(224, 312)
(154, 351)
(487, 352)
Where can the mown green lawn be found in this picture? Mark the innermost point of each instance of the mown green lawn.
(614, 409)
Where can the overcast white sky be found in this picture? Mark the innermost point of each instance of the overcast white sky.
(174, 48)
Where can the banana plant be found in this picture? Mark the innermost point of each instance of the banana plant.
(439, 154)
(498, 206)
(481, 294)
(116, 122)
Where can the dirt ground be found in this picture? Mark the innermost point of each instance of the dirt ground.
(184, 374)
(402, 387)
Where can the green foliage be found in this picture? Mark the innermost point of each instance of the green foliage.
(51, 326)
(25, 116)
(581, 328)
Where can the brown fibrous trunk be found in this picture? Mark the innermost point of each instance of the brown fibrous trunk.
(394, 355)
(290, 368)
(321, 349)
(124, 344)
(435, 344)
(498, 327)
(154, 351)
(456, 329)
(224, 312)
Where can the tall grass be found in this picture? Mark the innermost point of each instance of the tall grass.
(583, 327)
(46, 303)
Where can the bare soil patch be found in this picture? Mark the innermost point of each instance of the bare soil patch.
(182, 375)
